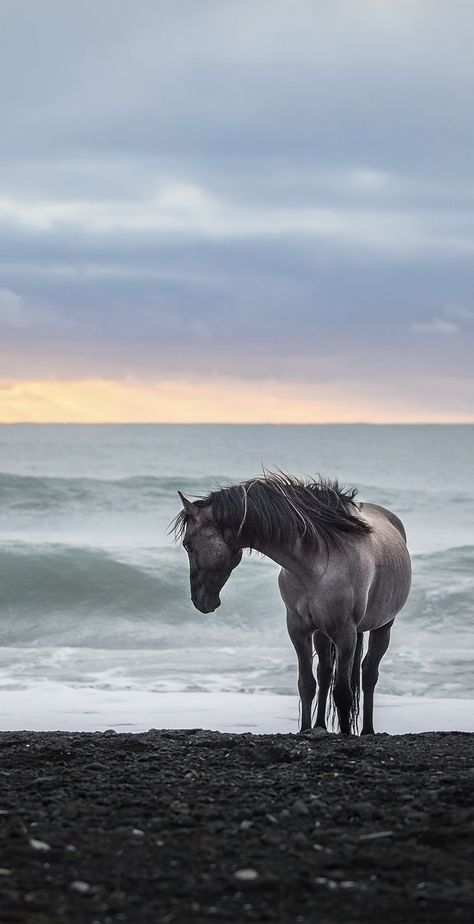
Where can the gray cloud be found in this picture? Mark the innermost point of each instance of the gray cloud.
(436, 325)
(265, 189)
(241, 78)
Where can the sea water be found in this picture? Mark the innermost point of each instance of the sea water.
(94, 593)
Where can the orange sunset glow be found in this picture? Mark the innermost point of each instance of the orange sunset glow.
(187, 401)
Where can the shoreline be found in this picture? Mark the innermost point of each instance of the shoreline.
(198, 826)
(81, 708)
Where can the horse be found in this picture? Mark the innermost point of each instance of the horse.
(345, 570)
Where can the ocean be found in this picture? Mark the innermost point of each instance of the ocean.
(94, 593)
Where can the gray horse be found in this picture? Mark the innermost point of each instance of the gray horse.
(345, 570)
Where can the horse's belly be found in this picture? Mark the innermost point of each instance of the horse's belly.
(386, 598)
(369, 588)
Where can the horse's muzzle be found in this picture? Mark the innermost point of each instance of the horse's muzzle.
(205, 602)
(206, 587)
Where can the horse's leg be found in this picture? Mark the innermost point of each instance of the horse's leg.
(355, 680)
(345, 642)
(323, 645)
(378, 643)
(306, 682)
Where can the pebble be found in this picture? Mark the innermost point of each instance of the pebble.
(300, 808)
(300, 840)
(364, 809)
(246, 824)
(70, 811)
(184, 819)
(284, 814)
(39, 845)
(323, 880)
(246, 875)
(79, 886)
(375, 835)
(156, 821)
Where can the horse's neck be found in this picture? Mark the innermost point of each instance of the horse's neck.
(294, 559)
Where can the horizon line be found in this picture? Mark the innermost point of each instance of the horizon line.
(242, 423)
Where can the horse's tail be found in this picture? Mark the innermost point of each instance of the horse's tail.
(331, 714)
(355, 686)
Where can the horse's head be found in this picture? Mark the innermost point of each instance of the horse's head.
(213, 554)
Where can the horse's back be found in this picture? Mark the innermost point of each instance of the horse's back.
(368, 509)
(364, 577)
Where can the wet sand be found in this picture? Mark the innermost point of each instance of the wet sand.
(198, 826)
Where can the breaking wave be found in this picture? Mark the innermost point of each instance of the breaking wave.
(75, 595)
(36, 494)
(72, 594)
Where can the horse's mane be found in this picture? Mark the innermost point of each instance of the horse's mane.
(280, 509)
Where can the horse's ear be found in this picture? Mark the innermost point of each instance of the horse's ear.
(189, 507)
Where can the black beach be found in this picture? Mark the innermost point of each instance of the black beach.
(198, 826)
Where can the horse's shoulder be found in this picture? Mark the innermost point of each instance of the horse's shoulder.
(377, 512)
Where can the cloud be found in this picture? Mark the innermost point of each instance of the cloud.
(458, 312)
(448, 323)
(211, 80)
(13, 309)
(241, 189)
(185, 210)
(252, 307)
(436, 326)
(19, 312)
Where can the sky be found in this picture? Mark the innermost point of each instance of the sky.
(236, 210)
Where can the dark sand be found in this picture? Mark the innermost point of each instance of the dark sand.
(156, 827)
